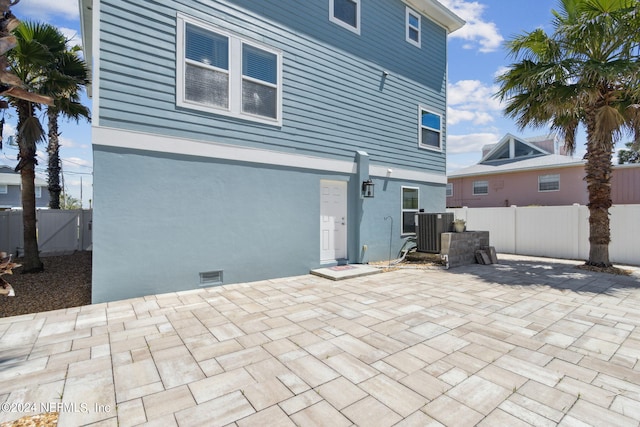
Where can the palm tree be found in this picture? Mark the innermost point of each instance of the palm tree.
(64, 82)
(37, 47)
(586, 73)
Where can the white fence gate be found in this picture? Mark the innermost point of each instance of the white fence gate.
(555, 231)
(59, 231)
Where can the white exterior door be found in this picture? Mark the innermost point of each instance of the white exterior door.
(333, 220)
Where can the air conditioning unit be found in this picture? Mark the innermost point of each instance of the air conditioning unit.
(430, 227)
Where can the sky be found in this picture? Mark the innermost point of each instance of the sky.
(474, 116)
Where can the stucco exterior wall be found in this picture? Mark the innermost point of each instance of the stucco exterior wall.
(520, 189)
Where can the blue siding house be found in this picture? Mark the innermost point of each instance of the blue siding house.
(240, 140)
(11, 190)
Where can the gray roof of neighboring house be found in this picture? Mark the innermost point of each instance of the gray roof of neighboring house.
(9, 177)
(548, 161)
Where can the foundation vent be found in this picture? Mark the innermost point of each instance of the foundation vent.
(211, 278)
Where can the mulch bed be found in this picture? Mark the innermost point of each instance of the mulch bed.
(65, 282)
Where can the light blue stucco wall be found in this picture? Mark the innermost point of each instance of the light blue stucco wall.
(161, 219)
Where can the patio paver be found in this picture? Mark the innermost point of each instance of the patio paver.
(529, 341)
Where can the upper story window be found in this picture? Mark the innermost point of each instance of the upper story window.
(413, 27)
(38, 192)
(4, 189)
(410, 201)
(549, 182)
(430, 133)
(345, 13)
(480, 187)
(449, 189)
(220, 72)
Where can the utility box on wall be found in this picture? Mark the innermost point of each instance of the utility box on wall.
(430, 227)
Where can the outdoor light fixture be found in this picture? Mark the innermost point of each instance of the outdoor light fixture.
(367, 188)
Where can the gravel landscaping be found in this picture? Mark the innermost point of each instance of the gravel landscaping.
(65, 282)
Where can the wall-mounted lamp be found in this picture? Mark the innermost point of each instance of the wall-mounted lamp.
(367, 188)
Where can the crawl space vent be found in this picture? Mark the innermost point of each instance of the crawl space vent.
(209, 278)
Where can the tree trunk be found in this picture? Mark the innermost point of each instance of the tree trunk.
(27, 161)
(598, 171)
(53, 169)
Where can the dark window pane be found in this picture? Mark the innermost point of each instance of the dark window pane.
(346, 11)
(408, 222)
(260, 65)
(414, 21)
(414, 35)
(409, 198)
(430, 138)
(207, 47)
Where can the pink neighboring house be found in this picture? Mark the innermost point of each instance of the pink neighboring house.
(533, 171)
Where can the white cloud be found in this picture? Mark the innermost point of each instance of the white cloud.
(470, 143)
(479, 34)
(72, 36)
(76, 162)
(472, 101)
(44, 9)
(70, 143)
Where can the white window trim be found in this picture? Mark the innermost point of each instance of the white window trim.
(409, 26)
(403, 210)
(38, 191)
(548, 175)
(420, 144)
(235, 73)
(343, 24)
(4, 189)
(473, 184)
(449, 186)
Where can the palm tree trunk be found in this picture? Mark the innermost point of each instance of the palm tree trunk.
(53, 149)
(27, 160)
(598, 171)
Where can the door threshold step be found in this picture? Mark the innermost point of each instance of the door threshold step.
(341, 272)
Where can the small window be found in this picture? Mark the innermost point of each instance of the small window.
(345, 13)
(413, 28)
(38, 192)
(549, 182)
(410, 201)
(450, 189)
(430, 130)
(4, 189)
(480, 187)
(220, 72)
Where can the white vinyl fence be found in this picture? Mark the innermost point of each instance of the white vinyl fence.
(59, 231)
(555, 231)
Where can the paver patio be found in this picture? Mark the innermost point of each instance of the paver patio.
(529, 341)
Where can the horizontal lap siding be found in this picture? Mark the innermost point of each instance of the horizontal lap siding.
(333, 99)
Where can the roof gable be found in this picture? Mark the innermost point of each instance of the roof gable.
(511, 148)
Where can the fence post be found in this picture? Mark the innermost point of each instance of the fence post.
(514, 213)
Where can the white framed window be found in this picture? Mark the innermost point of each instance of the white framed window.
(480, 187)
(430, 129)
(449, 189)
(410, 203)
(549, 182)
(38, 192)
(414, 28)
(4, 189)
(220, 72)
(345, 13)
